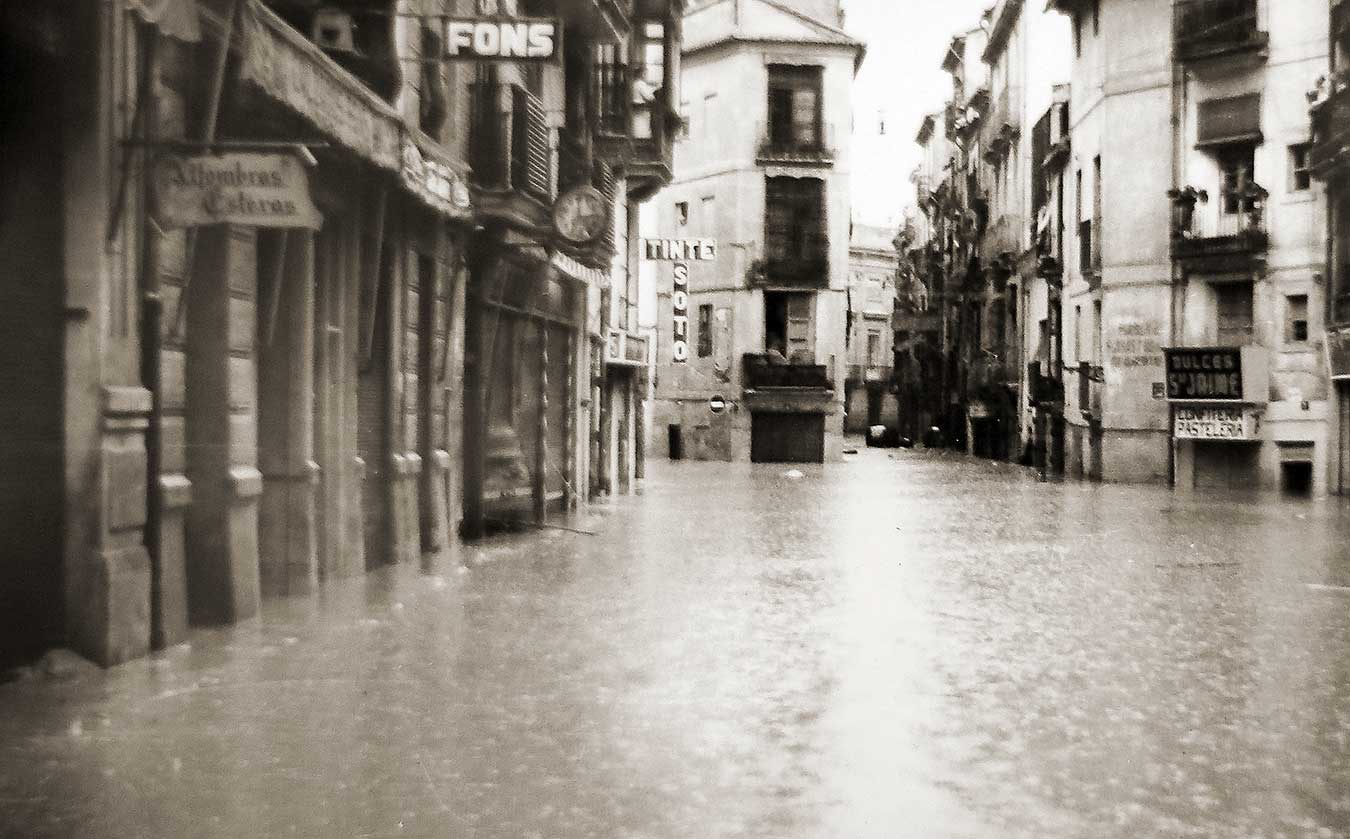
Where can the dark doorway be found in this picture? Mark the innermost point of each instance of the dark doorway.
(1296, 478)
(31, 353)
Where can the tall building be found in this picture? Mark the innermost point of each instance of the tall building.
(868, 389)
(764, 171)
(1191, 309)
(1329, 163)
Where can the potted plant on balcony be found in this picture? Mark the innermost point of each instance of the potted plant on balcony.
(1183, 208)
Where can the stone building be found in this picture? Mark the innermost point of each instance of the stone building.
(230, 394)
(869, 392)
(764, 171)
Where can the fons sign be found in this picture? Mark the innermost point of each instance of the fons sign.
(513, 39)
(1216, 374)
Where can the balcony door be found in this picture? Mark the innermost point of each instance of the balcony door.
(790, 324)
(794, 106)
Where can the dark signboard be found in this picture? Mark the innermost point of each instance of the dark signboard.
(1212, 374)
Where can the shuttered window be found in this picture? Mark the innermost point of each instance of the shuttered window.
(1236, 119)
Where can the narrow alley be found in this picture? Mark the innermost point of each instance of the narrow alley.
(905, 644)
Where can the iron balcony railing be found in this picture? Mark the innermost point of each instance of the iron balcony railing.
(760, 372)
(510, 149)
(1203, 225)
(779, 146)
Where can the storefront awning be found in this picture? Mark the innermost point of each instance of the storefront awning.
(288, 68)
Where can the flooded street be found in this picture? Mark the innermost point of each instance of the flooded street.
(902, 645)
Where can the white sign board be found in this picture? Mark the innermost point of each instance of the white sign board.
(680, 250)
(1217, 423)
(247, 188)
(679, 300)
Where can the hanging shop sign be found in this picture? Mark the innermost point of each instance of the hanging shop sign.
(437, 184)
(1215, 374)
(1216, 423)
(679, 301)
(680, 250)
(246, 188)
(501, 39)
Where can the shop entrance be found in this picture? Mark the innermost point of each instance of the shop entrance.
(31, 354)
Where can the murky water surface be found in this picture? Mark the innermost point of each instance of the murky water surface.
(904, 645)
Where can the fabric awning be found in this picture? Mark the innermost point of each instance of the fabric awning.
(1236, 119)
(174, 18)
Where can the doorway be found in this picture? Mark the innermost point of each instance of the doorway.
(789, 324)
(32, 486)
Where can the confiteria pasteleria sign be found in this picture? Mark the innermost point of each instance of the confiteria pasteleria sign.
(246, 188)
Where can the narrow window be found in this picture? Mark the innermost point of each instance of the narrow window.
(705, 330)
(1237, 164)
(1233, 308)
(1299, 177)
(1096, 17)
(1296, 318)
(681, 213)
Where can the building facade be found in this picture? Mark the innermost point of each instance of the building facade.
(869, 390)
(244, 394)
(763, 171)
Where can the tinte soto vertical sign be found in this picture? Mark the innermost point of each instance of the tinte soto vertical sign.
(245, 188)
(679, 304)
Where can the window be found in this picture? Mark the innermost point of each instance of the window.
(433, 97)
(1233, 309)
(794, 219)
(1077, 330)
(1096, 250)
(1296, 318)
(1096, 332)
(873, 348)
(1237, 163)
(1077, 35)
(705, 330)
(1096, 17)
(1299, 177)
(681, 213)
(794, 106)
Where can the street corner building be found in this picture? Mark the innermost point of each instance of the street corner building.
(763, 170)
(294, 291)
(1107, 235)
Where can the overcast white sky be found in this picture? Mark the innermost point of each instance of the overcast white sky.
(902, 80)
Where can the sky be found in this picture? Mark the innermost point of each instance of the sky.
(901, 80)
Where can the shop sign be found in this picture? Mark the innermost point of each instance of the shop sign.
(436, 184)
(1215, 423)
(246, 188)
(680, 250)
(293, 71)
(1204, 373)
(497, 39)
(679, 300)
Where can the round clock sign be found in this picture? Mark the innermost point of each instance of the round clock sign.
(580, 214)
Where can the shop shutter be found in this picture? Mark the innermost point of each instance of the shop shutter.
(533, 147)
(604, 180)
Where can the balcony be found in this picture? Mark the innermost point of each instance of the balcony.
(1208, 29)
(776, 148)
(510, 154)
(869, 372)
(1205, 238)
(761, 374)
(1331, 131)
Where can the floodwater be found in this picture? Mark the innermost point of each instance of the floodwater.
(902, 645)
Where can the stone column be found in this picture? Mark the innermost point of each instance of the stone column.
(287, 535)
(222, 536)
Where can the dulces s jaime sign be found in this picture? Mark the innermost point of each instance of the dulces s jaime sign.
(245, 188)
(1204, 373)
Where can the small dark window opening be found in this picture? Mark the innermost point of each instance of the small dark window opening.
(1297, 319)
(705, 332)
(432, 104)
(682, 213)
(1299, 176)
